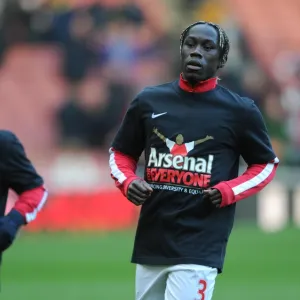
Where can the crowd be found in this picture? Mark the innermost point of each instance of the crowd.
(113, 48)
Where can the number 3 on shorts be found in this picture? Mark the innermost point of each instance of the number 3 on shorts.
(202, 289)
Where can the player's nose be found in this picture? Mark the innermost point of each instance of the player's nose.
(197, 52)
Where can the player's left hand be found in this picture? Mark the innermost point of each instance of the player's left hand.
(214, 196)
(9, 226)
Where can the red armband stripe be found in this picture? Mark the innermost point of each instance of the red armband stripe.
(31, 202)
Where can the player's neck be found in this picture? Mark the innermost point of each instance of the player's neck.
(198, 87)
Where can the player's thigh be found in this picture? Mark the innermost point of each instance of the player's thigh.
(190, 282)
(150, 282)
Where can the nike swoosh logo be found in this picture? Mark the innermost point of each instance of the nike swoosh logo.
(157, 115)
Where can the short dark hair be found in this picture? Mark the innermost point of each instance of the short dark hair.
(223, 40)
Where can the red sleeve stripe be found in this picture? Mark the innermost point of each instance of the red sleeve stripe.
(115, 171)
(263, 178)
(30, 216)
(123, 168)
(31, 202)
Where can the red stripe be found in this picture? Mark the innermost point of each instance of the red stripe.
(29, 200)
(258, 187)
(252, 171)
(127, 165)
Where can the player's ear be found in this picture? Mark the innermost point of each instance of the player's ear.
(220, 65)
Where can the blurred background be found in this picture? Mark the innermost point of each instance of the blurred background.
(68, 70)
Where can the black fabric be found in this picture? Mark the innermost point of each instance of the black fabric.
(176, 226)
(16, 171)
(9, 226)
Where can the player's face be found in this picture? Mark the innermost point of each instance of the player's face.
(200, 53)
(179, 139)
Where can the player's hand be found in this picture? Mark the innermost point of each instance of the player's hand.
(214, 196)
(9, 226)
(138, 191)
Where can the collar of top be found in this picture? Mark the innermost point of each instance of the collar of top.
(200, 87)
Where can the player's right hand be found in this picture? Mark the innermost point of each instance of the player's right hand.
(139, 191)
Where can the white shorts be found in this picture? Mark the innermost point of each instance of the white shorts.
(179, 282)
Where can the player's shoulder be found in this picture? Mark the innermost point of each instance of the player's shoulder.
(236, 100)
(155, 90)
(9, 143)
(7, 136)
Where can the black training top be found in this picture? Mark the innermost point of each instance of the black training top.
(192, 140)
